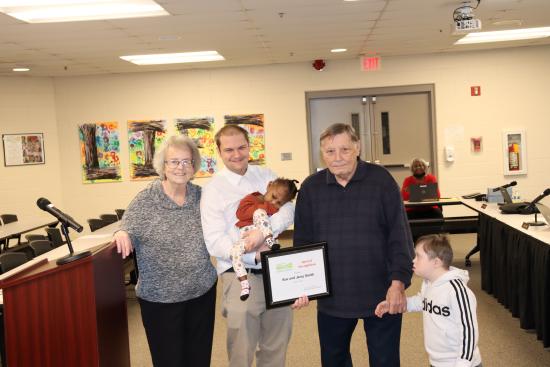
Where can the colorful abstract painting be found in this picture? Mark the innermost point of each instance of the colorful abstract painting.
(99, 152)
(143, 139)
(201, 130)
(254, 124)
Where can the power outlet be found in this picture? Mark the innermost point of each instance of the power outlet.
(286, 156)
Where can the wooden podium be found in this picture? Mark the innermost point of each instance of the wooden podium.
(69, 315)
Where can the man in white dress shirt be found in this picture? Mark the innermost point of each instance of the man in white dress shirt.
(250, 327)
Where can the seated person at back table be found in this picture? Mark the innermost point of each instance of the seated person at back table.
(420, 177)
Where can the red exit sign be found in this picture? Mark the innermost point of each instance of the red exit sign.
(370, 63)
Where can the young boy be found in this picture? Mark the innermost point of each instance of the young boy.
(448, 305)
(253, 213)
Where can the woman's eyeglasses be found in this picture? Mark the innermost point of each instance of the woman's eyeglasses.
(175, 163)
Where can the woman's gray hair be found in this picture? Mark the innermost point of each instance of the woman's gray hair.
(420, 160)
(179, 142)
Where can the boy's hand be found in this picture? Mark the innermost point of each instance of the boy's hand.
(381, 309)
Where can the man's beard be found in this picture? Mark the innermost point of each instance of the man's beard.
(419, 176)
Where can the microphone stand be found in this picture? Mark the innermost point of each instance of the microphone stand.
(72, 256)
(536, 223)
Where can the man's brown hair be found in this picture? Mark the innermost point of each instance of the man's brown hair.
(228, 130)
(437, 246)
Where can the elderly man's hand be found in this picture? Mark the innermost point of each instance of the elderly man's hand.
(301, 302)
(396, 299)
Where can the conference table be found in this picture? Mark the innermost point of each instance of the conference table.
(515, 265)
(25, 225)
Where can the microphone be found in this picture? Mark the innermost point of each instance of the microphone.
(513, 183)
(67, 220)
(540, 197)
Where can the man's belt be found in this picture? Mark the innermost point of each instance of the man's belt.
(248, 270)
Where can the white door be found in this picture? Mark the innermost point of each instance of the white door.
(393, 129)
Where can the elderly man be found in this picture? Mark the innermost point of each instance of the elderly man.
(250, 327)
(357, 209)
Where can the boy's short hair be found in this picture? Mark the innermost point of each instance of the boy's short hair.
(437, 246)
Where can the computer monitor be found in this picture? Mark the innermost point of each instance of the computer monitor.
(544, 211)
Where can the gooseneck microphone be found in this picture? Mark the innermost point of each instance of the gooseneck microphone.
(66, 222)
(513, 183)
(540, 197)
(66, 219)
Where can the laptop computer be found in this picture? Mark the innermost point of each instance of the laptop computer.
(426, 192)
(544, 211)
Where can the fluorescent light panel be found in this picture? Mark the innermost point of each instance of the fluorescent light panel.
(36, 11)
(21, 69)
(500, 36)
(176, 58)
(336, 50)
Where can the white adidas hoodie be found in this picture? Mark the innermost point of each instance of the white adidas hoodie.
(450, 321)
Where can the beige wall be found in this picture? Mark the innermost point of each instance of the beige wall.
(27, 106)
(514, 95)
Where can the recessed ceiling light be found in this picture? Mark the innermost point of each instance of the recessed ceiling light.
(508, 23)
(21, 69)
(175, 58)
(339, 50)
(44, 11)
(500, 36)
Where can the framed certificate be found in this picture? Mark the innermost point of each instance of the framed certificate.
(292, 272)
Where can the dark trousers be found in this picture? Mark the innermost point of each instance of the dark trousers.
(383, 336)
(180, 334)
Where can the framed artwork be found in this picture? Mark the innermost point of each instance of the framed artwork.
(23, 149)
(99, 152)
(144, 137)
(254, 124)
(201, 130)
(515, 152)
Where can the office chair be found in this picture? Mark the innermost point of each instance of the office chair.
(10, 260)
(10, 218)
(54, 235)
(40, 247)
(109, 218)
(96, 224)
(35, 237)
(119, 213)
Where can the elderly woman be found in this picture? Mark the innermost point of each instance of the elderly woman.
(177, 282)
(420, 176)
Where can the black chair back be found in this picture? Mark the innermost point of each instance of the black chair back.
(54, 235)
(10, 260)
(8, 218)
(96, 224)
(35, 237)
(119, 213)
(109, 218)
(40, 247)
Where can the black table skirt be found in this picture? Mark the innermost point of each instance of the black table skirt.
(515, 268)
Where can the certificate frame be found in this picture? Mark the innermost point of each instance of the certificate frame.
(23, 149)
(302, 267)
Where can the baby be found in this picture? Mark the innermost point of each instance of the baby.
(253, 213)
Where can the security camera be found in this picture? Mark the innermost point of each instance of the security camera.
(319, 64)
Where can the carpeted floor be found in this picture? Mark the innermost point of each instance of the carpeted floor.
(502, 342)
